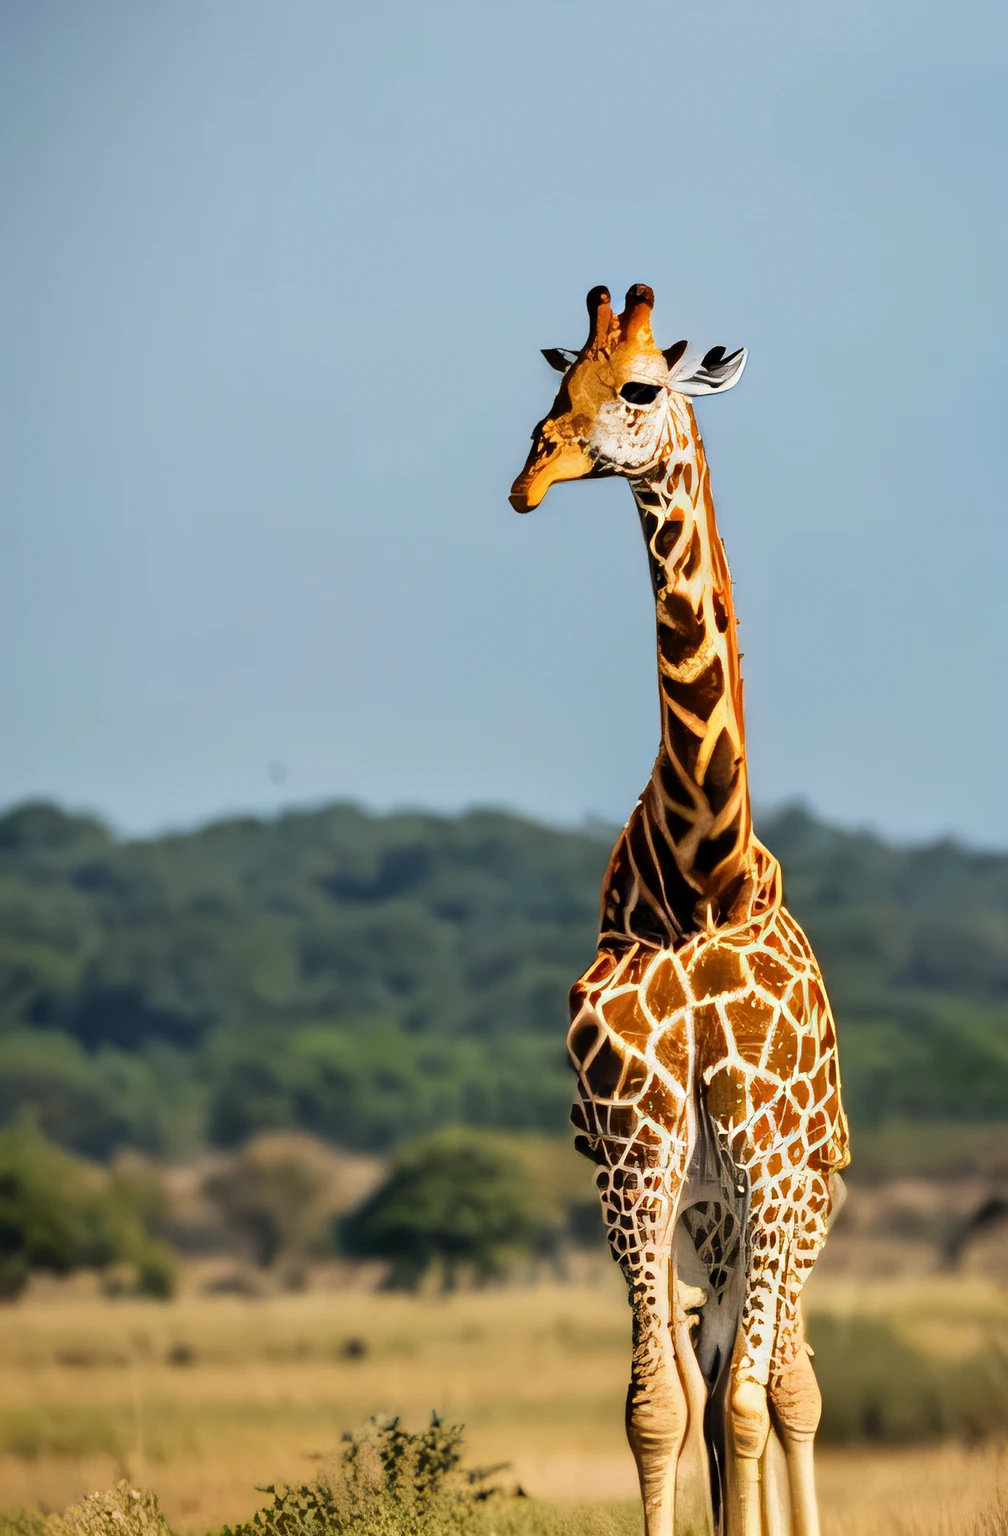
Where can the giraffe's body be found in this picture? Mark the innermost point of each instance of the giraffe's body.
(708, 1088)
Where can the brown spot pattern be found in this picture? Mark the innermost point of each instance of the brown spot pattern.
(736, 1018)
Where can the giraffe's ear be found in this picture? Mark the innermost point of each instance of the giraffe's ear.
(711, 374)
(559, 358)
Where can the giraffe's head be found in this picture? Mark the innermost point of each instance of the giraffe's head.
(611, 409)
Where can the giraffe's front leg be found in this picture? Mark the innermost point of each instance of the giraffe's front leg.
(639, 1220)
(632, 1111)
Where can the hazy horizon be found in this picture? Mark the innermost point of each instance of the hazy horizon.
(588, 822)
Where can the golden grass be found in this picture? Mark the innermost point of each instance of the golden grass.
(206, 1396)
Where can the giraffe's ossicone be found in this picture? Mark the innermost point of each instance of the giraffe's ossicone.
(705, 1050)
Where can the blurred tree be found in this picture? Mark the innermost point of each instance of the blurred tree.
(90, 1102)
(458, 1199)
(279, 1193)
(59, 1214)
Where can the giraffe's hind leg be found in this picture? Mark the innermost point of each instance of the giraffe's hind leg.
(796, 1405)
(773, 1386)
(795, 1400)
(639, 1213)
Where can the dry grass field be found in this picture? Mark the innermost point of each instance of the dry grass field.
(206, 1396)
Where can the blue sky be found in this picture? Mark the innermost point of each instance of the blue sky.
(273, 281)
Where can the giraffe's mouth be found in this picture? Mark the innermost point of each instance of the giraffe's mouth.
(520, 501)
(546, 464)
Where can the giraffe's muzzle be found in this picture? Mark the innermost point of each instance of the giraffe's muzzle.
(546, 464)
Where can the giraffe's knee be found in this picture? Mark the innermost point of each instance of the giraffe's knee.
(656, 1414)
(796, 1400)
(656, 1410)
(750, 1418)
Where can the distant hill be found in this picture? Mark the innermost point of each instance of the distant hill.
(365, 977)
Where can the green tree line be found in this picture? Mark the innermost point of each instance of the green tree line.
(369, 978)
(458, 1202)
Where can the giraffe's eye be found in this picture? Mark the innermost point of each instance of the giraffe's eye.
(640, 394)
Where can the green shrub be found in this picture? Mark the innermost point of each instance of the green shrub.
(458, 1199)
(59, 1214)
(388, 1483)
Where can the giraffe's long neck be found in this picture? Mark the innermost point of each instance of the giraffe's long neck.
(686, 858)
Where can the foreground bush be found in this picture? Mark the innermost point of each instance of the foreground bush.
(121, 1511)
(388, 1483)
(58, 1213)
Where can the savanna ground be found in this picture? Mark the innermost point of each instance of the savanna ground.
(204, 1397)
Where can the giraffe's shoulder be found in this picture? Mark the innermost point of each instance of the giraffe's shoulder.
(786, 936)
(635, 991)
(616, 968)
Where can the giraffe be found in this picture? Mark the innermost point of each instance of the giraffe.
(708, 1090)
